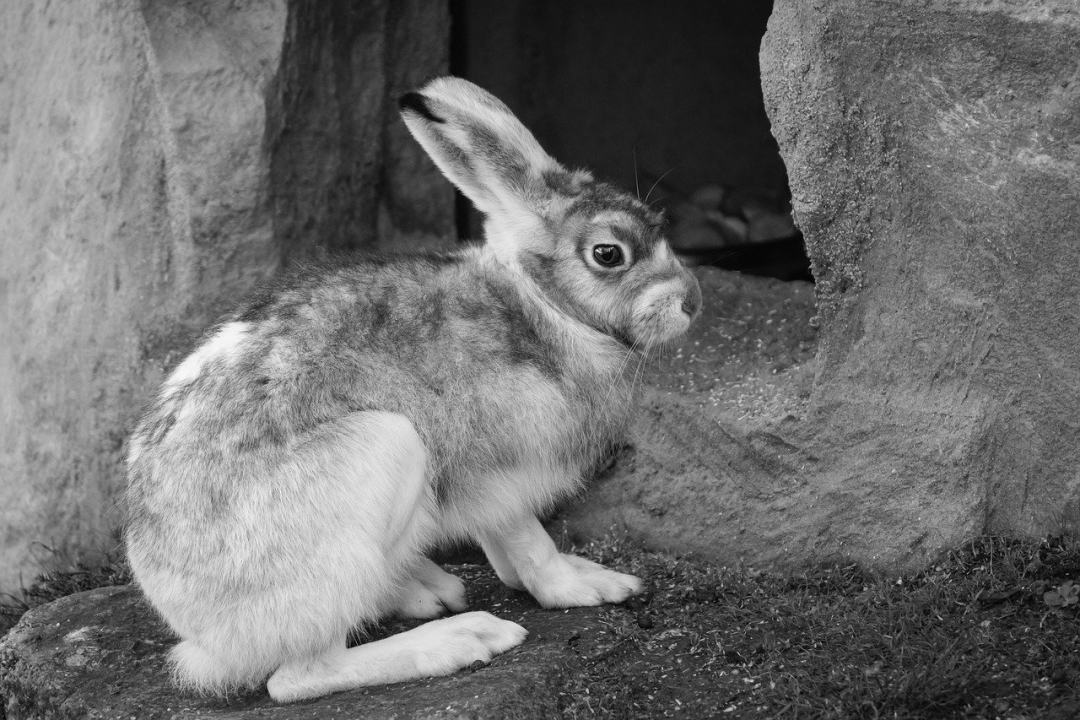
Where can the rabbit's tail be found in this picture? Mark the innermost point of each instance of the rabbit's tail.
(197, 670)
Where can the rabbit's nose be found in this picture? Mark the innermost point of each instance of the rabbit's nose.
(691, 304)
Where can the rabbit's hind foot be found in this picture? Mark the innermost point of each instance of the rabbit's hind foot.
(439, 647)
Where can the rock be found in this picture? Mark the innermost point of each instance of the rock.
(694, 231)
(766, 223)
(345, 173)
(101, 654)
(158, 160)
(935, 171)
(97, 257)
(716, 226)
(709, 197)
(934, 156)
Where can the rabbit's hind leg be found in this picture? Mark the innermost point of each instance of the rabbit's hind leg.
(323, 544)
(381, 514)
(439, 647)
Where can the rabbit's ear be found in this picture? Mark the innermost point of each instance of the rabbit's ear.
(484, 150)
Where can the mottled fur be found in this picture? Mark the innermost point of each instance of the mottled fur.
(287, 478)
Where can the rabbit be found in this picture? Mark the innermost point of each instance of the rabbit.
(289, 477)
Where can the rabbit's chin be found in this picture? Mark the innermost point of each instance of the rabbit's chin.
(662, 334)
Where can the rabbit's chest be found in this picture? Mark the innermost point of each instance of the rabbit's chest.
(525, 417)
(519, 444)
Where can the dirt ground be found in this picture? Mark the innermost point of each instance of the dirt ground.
(987, 632)
(975, 636)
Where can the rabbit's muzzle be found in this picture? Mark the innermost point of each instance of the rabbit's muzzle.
(665, 310)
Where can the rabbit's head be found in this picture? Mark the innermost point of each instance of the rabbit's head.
(593, 251)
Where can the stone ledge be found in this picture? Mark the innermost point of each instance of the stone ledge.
(101, 654)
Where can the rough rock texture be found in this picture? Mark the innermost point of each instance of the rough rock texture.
(934, 156)
(156, 161)
(934, 153)
(101, 654)
(346, 174)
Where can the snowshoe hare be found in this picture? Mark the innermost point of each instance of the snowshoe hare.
(290, 474)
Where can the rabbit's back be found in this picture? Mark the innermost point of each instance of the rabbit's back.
(443, 341)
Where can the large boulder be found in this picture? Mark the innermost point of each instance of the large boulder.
(934, 156)
(157, 160)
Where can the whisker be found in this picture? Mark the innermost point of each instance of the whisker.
(657, 182)
(641, 364)
(619, 372)
(637, 187)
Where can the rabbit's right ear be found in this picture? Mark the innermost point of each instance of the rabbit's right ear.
(485, 151)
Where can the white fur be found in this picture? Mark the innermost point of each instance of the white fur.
(591, 348)
(659, 308)
(430, 591)
(503, 234)
(512, 219)
(663, 253)
(439, 647)
(524, 556)
(613, 217)
(354, 535)
(224, 345)
(464, 105)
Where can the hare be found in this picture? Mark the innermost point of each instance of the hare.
(290, 474)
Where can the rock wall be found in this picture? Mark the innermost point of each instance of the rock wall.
(933, 148)
(156, 161)
(345, 172)
(934, 154)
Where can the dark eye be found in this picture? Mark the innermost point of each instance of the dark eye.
(607, 255)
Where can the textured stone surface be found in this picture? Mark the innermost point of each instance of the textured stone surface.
(934, 156)
(96, 254)
(156, 161)
(101, 654)
(934, 153)
(345, 173)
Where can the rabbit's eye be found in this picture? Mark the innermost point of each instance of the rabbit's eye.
(608, 255)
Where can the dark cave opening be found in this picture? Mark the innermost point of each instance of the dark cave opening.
(665, 98)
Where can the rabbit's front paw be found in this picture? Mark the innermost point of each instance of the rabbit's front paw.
(430, 592)
(577, 582)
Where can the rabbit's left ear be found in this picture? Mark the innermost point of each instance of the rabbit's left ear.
(485, 151)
